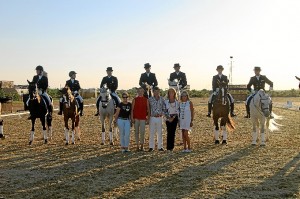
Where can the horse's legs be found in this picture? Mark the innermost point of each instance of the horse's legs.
(43, 121)
(262, 132)
(66, 129)
(1, 128)
(254, 130)
(216, 130)
(32, 131)
(223, 129)
(77, 129)
(73, 129)
(49, 125)
(102, 118)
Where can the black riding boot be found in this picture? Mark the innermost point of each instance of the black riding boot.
(209, 109)
(248, 111)
(97, 106)
(60, 108)
(271, 108)
(232, 114)
(81, 109)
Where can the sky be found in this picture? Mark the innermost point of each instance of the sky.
(88, 36)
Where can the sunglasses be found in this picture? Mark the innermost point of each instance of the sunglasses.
(125, 97)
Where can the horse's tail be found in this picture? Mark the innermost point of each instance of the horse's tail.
(230, 124)
(272, 124)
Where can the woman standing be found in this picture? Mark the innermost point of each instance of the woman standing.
(186, 119)
(171, 114)
(122, 118)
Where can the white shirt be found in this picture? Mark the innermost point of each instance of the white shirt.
(220, 76)
(257, 77)
(148, 74)
(40, 77)
(72, 80)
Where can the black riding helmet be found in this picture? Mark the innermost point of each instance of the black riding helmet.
(39, 68)
(72, 73)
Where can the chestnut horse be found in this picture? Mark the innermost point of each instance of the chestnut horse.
(70, 111)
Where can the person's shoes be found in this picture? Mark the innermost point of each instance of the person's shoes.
(97, 114)
(188, 151)
(59, 113)
(232, 114)
(161, 149)
(208, 115)
(81, 113)
(247, 116)
(29, 118)
(150, 150)
(184, 151)
(217, 142)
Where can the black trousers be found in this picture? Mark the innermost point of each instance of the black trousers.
(171, 131)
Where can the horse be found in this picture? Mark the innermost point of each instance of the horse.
(221, 110)
(148, 90)
(70, 111)
(106, 110)
(38, 109)
(260, 112)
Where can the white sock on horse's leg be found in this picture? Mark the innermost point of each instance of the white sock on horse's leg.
(45, 134)
(77, 131)
(73, 137)
(111, 137)
(263, 139)
(216, 134)
(31, 136)
(103, 137)
(67, 135)
(254, 137)
(224, 133)
(50, 132)
(1, 130)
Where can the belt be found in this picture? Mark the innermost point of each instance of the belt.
(173, 115)
(122, 118)
(157, 116)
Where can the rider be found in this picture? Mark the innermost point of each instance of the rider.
(180, 76)
(148, 78)
(112, 84)
(215, 86)
(42, 84)
(258, 81)
(74, 87)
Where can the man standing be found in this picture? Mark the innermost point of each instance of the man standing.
(258, 82)
(157, 109)
(74, 87)
(111, 83)
(42, 85)
(180, 76)
(148, 80)
(215, 86)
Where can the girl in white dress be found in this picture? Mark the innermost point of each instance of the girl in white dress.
(186, 117)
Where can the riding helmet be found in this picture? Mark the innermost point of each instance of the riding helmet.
(39, 67)
(72, 73)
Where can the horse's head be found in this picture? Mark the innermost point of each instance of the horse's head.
(222, 96)
(263, 100)
(173, 83)
(33, 91)
(105, 94)
(67, 93)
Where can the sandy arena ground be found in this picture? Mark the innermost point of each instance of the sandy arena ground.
(90, 170)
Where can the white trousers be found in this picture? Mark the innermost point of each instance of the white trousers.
(155, 125)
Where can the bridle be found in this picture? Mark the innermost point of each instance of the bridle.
(261, 109)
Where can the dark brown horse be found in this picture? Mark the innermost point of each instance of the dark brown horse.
(221, 110)
(70, 111)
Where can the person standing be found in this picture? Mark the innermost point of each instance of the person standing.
(157, 108)
(140, 115)
(74, 86)
(122, 118)
(180, 76)
(215, 86)
(171, 114)
(112, 84)
(258, 82)
(42, 85)
(186, 115)
(148, 80)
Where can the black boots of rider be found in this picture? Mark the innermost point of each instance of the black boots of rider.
(209, 110)
(81, 109)
(60, 108)
(248, 111)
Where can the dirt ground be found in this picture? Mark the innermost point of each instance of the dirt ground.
(90, 170)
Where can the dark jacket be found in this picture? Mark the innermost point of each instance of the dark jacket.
(41, 83)
(73, 86)
(216, 79)
(181, 77)
(259, 84)
(151, 80)
(111, 83)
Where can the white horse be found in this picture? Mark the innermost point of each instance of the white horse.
(260, 112)
(106, 110)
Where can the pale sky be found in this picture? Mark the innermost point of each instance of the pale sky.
(90, 35)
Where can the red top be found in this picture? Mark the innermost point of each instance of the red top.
(140, 108)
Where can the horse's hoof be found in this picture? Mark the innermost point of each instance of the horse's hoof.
(111, 144)
(67, 143)
(224, 142)
(46, 141)
(30, 142)
(263, 144)
(102, 143)
(2, 136)
(73, 142)
(79, 139)
(217, 142)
